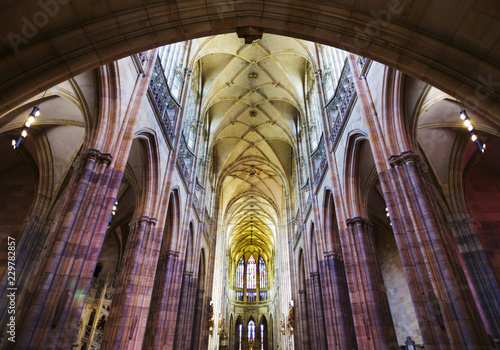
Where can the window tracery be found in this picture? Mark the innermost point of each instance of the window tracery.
(251, 273)
(262, 273)
(240, 270)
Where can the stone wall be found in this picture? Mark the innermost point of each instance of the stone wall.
(402, 311)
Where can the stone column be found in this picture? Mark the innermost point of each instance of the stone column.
(340, 324)
(370, 307)
(479, 271)
(163, 309)
(128, 315)
(447, 314)
(319, 340)
(184, 322)
(54, 296)
(303, 329)
(199, 320)
(27, 252)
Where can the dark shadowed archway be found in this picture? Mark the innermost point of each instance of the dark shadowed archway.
(452, 47)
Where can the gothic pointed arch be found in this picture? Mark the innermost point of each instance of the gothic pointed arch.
(357, 146)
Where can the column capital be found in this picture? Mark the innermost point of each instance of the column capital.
(461, 223)
(406, 157)
(333, 255)
(32, 219)
(358, 221)
(143, 220)
(403, 158)
(169, 254)
(97, 156)
(172, 253)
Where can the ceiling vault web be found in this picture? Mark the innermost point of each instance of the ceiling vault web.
(253, 97)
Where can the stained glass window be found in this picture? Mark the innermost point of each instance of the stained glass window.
(262, 274)
(251, 296)
(240, 273)
(251, 330)
(240, 328)
(251, 273)
(261, 337)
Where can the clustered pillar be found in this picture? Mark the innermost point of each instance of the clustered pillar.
(338, 311)
(66, 264)
(439, 289)
(163, 312)
(128, 315)
(370, 307)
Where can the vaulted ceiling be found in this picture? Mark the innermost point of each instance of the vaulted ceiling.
(253, 95)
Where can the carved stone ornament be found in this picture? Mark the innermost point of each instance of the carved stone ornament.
(143, 220)
(102, 158)
(403, 158)
(358, 220)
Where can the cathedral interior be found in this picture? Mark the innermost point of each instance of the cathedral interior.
(250, 175)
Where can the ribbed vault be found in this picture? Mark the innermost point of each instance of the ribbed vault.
(253, 96)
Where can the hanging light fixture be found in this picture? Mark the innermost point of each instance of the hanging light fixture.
(113, 211)
(31, 119)
(468, 124)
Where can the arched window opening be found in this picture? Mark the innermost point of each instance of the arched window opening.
(240, 272)
(262, 274)
(251, 332)
(240, 329)
(251, 273)
(261, 337)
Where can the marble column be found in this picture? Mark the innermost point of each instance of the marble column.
(370, 307)
(126, 324)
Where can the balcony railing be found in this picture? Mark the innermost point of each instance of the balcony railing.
(341, 103)
(165, 105)
(319, 162)
(185, 160)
